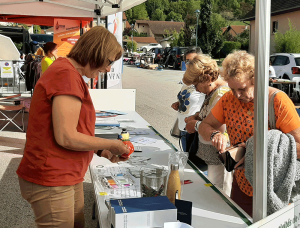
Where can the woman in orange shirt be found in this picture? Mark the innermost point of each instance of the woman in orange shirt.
(60, 139)
(236, 110)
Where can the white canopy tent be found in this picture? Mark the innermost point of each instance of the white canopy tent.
(66, 8)
(8, 50)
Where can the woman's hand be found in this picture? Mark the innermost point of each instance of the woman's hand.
(113, 158)
(241, 163)
(220, 142)
(190, 126)
(191, 118)
(175, 105)
(118, 147)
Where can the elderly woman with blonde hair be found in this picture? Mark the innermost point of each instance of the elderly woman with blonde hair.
(236, 110)
(203, 73)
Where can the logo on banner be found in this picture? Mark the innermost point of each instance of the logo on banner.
(57, 26)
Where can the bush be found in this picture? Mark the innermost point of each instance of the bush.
(129, 46)
(229, 46)
(289, 41)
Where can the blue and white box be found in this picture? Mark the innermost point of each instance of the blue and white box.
(142, 212)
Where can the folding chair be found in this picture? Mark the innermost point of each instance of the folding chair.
(17, 109)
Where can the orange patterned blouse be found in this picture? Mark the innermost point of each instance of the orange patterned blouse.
(239, 120)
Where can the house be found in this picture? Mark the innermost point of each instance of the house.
(141, 41)
(157, 29)
(281, 13)
(234, 30)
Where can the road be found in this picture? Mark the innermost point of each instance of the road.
(155, 92)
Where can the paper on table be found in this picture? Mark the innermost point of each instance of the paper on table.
(138, 132)
(142, 140)
(176, 225)
(107, 122)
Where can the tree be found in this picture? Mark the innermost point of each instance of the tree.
(177, 38)
(158, 15)
(138, 12)
(153, 5)
(129, 45)
(172, 16)
(289, 41)
(209, 31)
(36, 29)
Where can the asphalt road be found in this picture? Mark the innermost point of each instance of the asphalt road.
(155, 92)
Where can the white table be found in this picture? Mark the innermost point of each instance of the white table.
(210, 207)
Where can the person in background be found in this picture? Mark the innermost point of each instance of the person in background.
(60, 139)
(50, 50)
(189, 102)
(40, 52)
(236, 110)
(203, 73)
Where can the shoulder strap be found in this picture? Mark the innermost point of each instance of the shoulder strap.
(272, 121)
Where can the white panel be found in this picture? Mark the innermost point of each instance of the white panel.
(113, 99)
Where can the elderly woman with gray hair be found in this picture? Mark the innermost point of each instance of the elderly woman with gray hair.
(236, 110)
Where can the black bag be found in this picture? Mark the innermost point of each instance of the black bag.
(232, 156)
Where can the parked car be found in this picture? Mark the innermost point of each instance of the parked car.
(286, 65)
(20, 37)
(175, 57)
(157, 54)
(149, 46)
(42, 38)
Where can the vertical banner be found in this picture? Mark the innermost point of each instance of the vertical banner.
(66, 33)
(115, 26)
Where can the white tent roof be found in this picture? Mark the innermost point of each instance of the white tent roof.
(66, 8)
(8, 50)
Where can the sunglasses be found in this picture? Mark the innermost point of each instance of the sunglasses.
(187, 61)
(110, 62)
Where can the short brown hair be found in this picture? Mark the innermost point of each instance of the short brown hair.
(201, 69)
(237, 64)
(49, 46)
(95, 47)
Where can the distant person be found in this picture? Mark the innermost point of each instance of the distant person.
(50, 50)
(40, 52)
(189, 102)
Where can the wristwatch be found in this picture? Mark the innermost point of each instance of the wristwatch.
(197, 125)
(213, 134)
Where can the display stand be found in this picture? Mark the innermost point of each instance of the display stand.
(211, 207)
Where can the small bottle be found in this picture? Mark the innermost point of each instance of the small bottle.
(174, 185)
(125, 135)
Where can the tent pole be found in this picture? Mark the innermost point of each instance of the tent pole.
(262, 53)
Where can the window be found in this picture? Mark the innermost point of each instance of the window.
(297, 60)
(275, 27)
(281, 61)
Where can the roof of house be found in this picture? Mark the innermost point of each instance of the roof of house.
(159, 27)
(144, 40)
(237, 29)
(277, 7)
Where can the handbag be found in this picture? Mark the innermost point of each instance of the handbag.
(175, 131)
(232, 156)
(235, 153)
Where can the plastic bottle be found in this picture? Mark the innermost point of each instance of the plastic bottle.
(174, 185)
(125, 139)
(125, 135)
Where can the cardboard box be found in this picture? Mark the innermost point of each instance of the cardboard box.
(142, 212)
